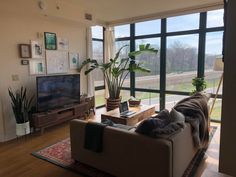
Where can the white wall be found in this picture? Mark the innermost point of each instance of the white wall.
(20, 21)
(228, 122)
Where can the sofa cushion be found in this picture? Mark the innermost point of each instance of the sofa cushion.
(147, 126)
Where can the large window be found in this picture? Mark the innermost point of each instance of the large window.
(181, 62)
(188, 46)
(98, 54)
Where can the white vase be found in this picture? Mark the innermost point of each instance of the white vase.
(22, 129)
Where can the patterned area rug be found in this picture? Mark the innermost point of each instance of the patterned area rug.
(60, 154)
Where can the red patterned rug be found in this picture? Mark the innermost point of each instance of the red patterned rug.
(60, 154)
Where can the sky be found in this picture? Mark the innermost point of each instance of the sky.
(179, 23)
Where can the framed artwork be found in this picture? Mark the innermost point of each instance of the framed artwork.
(24, 62)
(62, 43)
(37, 67)
(50, 41)
(37, 49)
(57, 61)
(74, 60)
(24, 50)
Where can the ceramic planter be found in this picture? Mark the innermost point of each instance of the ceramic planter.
(22, 129)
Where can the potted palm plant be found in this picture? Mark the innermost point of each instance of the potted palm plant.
(21, 107)
(116, 70)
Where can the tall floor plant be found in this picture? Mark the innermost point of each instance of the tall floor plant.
(117, 69)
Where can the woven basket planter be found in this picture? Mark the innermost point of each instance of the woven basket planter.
(112, 103)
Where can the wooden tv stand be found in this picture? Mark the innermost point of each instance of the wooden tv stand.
(43, 120)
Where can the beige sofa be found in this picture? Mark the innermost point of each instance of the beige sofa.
(129, 154)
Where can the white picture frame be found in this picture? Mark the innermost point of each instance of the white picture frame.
(37, 67)
(56, 61)
(62, 43)
(74, 60)
(37, 50)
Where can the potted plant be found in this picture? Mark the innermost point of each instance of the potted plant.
(116, 70)
(199, 83)
(21, 107)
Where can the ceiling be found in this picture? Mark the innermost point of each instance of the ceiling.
(112, 11)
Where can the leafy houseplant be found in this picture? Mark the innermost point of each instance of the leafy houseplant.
(199, 83)
(116, 70)
(21, 106)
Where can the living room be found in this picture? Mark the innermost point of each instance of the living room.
(188, 37)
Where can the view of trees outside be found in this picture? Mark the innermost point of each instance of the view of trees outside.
(151, 61)
(181, 62)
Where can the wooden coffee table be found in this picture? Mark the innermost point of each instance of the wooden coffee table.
(142, 112)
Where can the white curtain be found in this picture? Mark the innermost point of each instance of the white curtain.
(109, 49)
(90, 79)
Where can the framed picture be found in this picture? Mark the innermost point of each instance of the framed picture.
(62, 43)
(24, 62)
(57, 61)
(74, 60)
(37, 66)
(50, 41)
(24, 51)
(37, 49)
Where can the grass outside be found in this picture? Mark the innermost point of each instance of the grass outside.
(212, 83)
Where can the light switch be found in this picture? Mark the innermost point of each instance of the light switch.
(15, 77)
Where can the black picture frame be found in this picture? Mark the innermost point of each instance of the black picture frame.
(24, 62)
(25, 50)
(50, 40)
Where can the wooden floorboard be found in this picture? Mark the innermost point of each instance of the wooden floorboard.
(16, 159)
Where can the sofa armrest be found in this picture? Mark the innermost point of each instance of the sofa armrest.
(183, 150)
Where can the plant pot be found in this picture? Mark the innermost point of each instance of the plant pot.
(22, 129)
(112, 103)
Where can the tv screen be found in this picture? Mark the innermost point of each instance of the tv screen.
(57, 91)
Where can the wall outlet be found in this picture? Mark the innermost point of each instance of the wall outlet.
(15, 77)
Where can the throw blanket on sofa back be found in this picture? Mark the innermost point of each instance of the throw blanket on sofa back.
(195, 110)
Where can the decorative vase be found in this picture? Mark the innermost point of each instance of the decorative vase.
(112, 103)
(22, 129)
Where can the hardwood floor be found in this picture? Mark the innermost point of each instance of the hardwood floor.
(16, 161)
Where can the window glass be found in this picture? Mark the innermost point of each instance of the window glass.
(172, 100)
(182, 23)
(122, 31)
(150, 61)
(98, 55)
(215, 18)
(100, 97)
(125, 94)
(212, 74)
(97, 32)
(123, 54)
(148, 98)
(181, 62)
(148, 27)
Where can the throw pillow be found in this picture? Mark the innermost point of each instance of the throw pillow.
(147, 126)
(176, 116)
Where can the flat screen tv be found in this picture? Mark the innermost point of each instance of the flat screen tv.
(57, 91)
